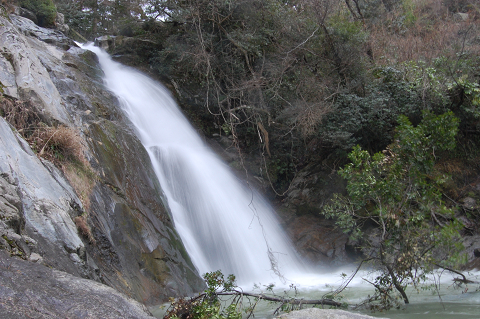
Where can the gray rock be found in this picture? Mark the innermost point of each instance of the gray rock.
(105, 42)
(460, 17)
(316, 238)
(11, 236)
(50, 36)
(32, 80)
(29, 290)
(60, 23)
(4, 244)
(469, 203)
(315, 313)
(26, 14)
(8, 84)
(36, 258)
(45, 202)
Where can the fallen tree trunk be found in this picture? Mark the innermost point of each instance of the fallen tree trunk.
(291, 301)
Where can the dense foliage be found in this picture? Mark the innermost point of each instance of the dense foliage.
(93, 18)
(303, 80)
(394, 209)
(330, 74)
(44, 10)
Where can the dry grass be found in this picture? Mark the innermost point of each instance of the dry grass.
(64, 147)
(82, 225)
(57, 144)
(61, 145)
(311, 116)
(8, 6)
(21, 114)
(431, 31)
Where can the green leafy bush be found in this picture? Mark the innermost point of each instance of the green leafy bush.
(44, 10)
(208, 305)
(369, 119)
(394, 208)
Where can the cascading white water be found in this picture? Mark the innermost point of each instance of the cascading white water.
(224, 225)
(219, 219)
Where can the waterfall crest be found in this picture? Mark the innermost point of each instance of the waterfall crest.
(224, 225)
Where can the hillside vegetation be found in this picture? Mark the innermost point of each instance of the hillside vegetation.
(302, 81)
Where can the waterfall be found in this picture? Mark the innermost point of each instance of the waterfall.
(223, 224)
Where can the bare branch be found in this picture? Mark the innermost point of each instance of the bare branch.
(462, 280)
(291, 301)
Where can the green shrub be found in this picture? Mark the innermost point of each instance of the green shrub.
(44, 10)
(394, 209)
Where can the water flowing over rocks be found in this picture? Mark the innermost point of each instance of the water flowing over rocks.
(315, 238)
(133, 246)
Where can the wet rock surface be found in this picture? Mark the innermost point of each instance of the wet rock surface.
(129, 50)
(29, 290)
(132, 245)
(318, 240)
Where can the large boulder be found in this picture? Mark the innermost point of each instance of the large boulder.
(316, 238)
(28, 290)
(60, 23)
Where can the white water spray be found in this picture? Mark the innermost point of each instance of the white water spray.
(224, 225)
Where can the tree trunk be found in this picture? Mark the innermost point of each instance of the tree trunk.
(397, 285)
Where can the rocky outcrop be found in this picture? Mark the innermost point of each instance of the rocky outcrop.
(37, 203)
(316, 238)
(28, 290)
(30, 79)
(60, 23)
(125, 237)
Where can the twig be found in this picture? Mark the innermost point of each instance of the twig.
(464, 280)
(43, 148)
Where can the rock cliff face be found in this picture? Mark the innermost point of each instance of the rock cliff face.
(104, 220)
